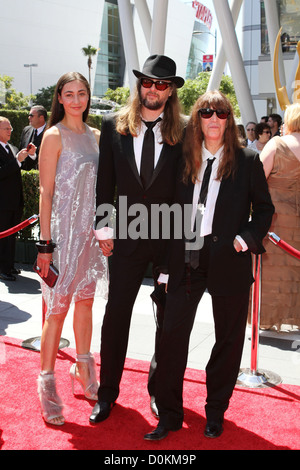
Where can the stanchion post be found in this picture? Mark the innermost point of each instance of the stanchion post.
(255, 313)
(252, 377)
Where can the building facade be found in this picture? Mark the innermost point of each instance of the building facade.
(42, 39)
(257, 54)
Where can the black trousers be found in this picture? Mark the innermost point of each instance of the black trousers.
(230, 316)
(8, 219)
(126, 276)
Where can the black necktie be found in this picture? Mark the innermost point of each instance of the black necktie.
(205, 182)
(194, 258)
(147, 159)
(9, 152)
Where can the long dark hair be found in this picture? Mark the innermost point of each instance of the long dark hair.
(57, 109)
(192, 147)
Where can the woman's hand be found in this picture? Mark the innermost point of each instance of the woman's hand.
(237, 246)
(43, 263)
(107, 246)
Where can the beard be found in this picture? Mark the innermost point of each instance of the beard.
(151, 104)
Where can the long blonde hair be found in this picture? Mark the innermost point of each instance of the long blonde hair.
(192, 147)
(129, 117)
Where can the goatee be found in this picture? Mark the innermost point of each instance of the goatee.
(152, 105)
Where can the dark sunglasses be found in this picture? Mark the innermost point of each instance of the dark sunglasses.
(159, 84)
(207, 113)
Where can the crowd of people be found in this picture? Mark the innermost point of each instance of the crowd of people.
(148, 154)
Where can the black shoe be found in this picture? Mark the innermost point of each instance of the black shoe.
(15, 271)
(101, 411)
(213, 429)
(7, 277)
(158, 434)
(153, 408)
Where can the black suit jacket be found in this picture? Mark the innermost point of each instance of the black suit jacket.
(11, 193)
(27, 136)
(247, 193)
(118, 176)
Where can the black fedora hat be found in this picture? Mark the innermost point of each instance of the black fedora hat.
(160, 67)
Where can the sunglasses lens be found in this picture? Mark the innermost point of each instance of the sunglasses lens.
(146, 83)
(222, 114)
(206, 113)
(159, 85)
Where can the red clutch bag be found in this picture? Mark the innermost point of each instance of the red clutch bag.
(53, 273)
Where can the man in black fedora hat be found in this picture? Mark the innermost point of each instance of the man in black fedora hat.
(140, 149)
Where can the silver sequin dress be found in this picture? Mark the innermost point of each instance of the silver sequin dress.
(82, 268)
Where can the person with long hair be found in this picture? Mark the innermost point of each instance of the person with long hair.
(221, 183)
(280, 297)
(68, 169)
(140, 179)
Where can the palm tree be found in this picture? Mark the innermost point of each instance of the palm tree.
(89, 51)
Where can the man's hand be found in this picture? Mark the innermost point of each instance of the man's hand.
(31, 149)
(22, 155)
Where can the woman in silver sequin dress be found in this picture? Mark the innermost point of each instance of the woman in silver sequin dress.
(68, 168)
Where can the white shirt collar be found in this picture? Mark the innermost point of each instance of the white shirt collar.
(144, 127)
(206, 153)
(3, 144)
(40, 129)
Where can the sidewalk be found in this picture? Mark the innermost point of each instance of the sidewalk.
(21, 318)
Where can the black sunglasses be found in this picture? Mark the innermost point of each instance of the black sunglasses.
(159, 84)
(207, 113)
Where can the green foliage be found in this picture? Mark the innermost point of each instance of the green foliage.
(94, 120)
(13, 99)
(89, 51)
(44, 97)
(17, 100)
(30, 180)
(6, 81)
(120, 95)
(192, 89)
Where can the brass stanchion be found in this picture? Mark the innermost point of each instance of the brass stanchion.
(253, 377)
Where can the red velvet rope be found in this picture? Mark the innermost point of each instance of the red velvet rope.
(285, 246)
(20, 226)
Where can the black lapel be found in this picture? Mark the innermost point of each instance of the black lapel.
(161, 161)
(11, 153)
(28, 136)
(3, 152)
(31, 135)
(127, 144)
(224, 199)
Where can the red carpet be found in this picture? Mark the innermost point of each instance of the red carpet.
(262, 419)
